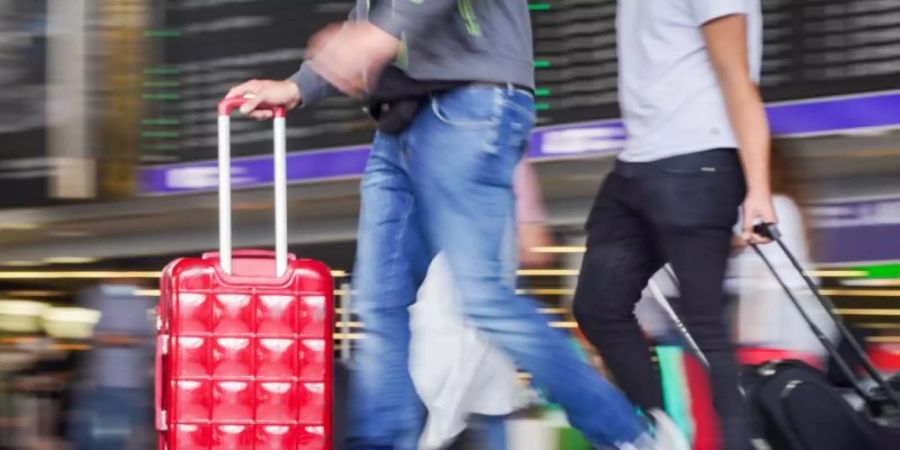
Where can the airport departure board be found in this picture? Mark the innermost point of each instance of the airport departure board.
(812, 48)
(24, 163)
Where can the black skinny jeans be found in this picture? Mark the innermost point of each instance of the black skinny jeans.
(679, 210)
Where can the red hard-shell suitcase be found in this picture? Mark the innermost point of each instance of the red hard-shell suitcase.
(244, 349)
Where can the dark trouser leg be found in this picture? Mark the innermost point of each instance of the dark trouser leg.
(692, 202)
(620, 258)
(699, 260)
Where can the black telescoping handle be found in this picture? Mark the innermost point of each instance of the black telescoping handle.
(768, 230)
(820, 335)
(771, 231)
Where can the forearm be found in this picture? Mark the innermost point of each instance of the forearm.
(751, 128)
(726, 41)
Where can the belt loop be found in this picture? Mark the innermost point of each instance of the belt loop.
(510, 88)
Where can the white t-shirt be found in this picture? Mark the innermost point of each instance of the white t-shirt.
(669, 95)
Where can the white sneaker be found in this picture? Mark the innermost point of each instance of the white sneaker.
(668, 435)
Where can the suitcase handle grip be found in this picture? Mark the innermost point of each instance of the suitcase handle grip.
(768, 231)
(226, 107)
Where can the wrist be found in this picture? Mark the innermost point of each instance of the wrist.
(759, 192)
(295, 95)
(759, 189)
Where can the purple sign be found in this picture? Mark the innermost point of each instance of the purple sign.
(857, 231)
(255, 171)
(798, 118)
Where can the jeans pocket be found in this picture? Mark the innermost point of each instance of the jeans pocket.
(513, 129)
(469, 108)
(704, 199)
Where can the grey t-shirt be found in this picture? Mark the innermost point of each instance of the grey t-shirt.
(447, 40)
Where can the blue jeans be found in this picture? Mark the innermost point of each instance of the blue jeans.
(445, 185)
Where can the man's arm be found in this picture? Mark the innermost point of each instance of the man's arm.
(304, 87)
(726, 41)
(313, 88)
(352, 59)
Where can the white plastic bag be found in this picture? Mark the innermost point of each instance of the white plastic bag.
(454, 369)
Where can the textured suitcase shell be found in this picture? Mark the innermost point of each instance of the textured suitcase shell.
(244, 360)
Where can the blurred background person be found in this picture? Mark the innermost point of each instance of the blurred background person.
(42, 391)
(764, 316)
(112, 410)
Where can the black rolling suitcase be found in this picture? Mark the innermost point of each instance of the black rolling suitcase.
(800, 409)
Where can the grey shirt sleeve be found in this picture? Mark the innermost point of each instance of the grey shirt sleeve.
(409, 17)
(313, 87)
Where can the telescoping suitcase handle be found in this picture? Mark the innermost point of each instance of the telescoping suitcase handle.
(770, 231)
(226, 107)
(663, 303)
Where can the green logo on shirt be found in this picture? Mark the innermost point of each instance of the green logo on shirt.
(467, 11)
